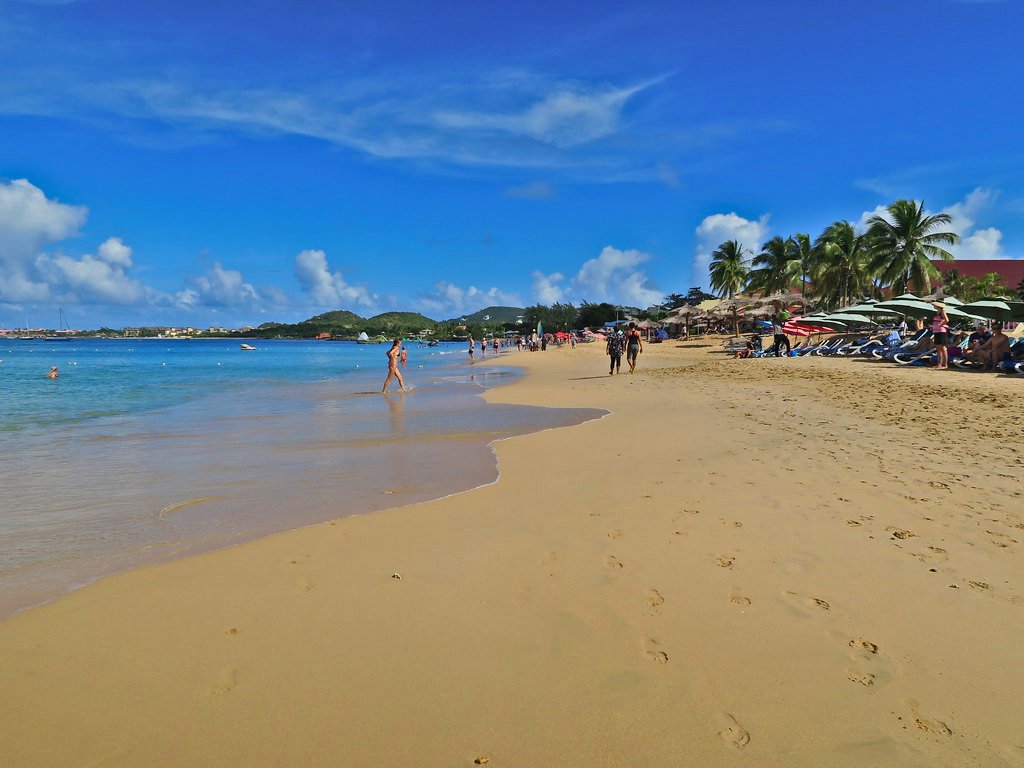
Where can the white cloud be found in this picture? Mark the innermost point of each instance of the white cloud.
(102, 278)
(496, 118)
(326, 288)
(546, 288)
(114, 252)
(974, 243)
(217, 287)
(450, 299)
(30, 221)
(565, 117)
(719, 227)
(613, 276)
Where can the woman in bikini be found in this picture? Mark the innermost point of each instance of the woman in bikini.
(393, 372)
(633, 346)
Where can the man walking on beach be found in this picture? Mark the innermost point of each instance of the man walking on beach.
(471, 345)
(613, 349)
(393, 372)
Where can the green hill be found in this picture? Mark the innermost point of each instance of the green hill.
(403, 319)
(336, 317)
(494, 315)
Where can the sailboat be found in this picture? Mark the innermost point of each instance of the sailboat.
(362, 338)
(26, 337)
(63, 328)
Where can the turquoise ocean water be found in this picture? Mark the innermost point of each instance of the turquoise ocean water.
(149, 449)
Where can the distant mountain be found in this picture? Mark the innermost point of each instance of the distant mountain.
(404, 319)
(337, 317)
(497, 315)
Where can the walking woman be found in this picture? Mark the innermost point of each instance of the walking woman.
(634, 346)
(393, 372)
(940, 335)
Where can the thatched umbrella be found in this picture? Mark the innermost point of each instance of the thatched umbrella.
(782, 300)
(682, 316)
(731, 307)
(760, 312)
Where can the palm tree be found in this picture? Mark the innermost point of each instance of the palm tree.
(802, 252)
(903, 242)
(775, 269)
(839, 264)
(729, 268)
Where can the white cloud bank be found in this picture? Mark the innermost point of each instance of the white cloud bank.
(218, 288)
(715, 229)
(984, 243)
(29, 222)
(326, 288)
(613, 276)
(449, 300)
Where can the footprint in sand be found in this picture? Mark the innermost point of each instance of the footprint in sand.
(654, 602)
(732, 732)
(928, 724)
(864, 678)
(737, 598)
(306, 585)
(854, 523)
(231, 631)
(616, 534)
(654, 653)
(803, 601)
(228, 680)
(900, 533)
(860, 645)
(981, 586)
(724, 561)
(612, 562)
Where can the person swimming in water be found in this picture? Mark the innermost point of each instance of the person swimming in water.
(53, 372)
(393, 372)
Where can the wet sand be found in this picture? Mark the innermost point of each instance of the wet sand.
(748, 563)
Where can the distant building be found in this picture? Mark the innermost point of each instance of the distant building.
(1011, 270)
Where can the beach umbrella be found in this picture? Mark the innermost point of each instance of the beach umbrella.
(782, 300)
(913, 307)
(730, 307)
(996, 309)
(846, 319)
(682, 316)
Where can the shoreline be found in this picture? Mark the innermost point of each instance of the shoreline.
(665, 582)
(185, 524)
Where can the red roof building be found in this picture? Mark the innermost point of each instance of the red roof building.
(1011, 270)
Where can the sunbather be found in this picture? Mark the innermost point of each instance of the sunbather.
(995, 349)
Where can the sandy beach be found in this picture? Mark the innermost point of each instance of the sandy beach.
(797, 562)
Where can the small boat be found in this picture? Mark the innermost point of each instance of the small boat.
(247, 348)
(362, 338)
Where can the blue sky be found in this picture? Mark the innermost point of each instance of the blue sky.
(227, 163)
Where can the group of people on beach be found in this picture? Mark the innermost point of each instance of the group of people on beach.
(987, 347)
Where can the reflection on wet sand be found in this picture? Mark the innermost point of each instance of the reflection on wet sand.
(231, 467)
